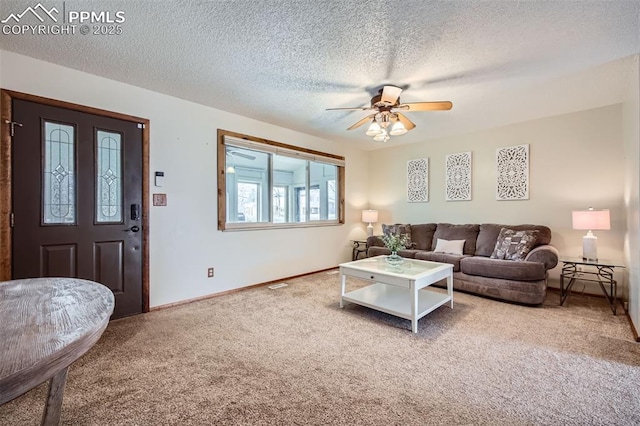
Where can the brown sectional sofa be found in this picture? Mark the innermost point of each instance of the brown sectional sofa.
(474, 271)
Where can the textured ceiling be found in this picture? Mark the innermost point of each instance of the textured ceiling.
(285, 61)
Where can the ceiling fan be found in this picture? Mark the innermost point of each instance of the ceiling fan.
(240, 154)
(387, 107)
(231, 168)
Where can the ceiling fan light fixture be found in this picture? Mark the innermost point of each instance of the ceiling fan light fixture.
(398, 129)
(374, 129)
(381, 137)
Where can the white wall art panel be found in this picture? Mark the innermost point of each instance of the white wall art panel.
(458, 177)
(512, 181)
(418, 180)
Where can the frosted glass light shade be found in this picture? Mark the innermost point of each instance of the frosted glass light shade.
(398, 129)
(381, 137)
(374, 129)
(591, 219)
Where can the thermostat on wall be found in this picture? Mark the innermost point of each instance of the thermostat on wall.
(159, 179)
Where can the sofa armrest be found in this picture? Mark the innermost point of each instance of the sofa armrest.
(546, 254)
(375, 241)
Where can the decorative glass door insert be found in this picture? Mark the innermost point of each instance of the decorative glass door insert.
(59, 178)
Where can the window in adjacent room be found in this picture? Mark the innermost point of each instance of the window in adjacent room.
(265, 184)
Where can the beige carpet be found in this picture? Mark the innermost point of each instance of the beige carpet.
(292, 356)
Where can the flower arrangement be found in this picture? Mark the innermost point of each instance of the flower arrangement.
(395, 242)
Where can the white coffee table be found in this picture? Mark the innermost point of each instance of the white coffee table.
(402, 290)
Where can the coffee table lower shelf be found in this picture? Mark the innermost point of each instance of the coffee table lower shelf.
(395, 300)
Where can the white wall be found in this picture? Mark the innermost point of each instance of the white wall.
(631, 129)
(576, 161)
(184, 240)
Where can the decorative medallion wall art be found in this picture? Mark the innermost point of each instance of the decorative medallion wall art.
(512, 164)
(458, 178)
(418, 180)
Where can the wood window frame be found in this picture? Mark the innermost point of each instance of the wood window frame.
(6, 105)
(222, 184)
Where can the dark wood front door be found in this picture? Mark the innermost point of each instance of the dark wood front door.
(77, 199)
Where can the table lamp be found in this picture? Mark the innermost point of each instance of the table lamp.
(591, 219)
(370, 216)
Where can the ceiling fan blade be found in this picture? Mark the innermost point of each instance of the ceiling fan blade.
(426, 106)
(408, 124)
(239, 154)
(361, 122)
(390, 94)
(354, 109)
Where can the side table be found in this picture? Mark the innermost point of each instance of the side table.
(359, 247)
(601, 273)
(47, 324)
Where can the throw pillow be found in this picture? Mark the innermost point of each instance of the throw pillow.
(398, 229)
(514, 245)
(450, 247)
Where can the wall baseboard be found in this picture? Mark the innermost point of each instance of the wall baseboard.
(633, 328)
(235, 290)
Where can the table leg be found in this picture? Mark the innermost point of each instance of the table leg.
(414, 308)
(343, 286)
(612, 295)
(564, 293)
(450, 289)
(53, 409)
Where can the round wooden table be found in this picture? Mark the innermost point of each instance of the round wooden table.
(45, 325)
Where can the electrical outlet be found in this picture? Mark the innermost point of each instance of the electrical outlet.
(210, 273)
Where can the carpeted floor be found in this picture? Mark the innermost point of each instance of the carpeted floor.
(292, 356)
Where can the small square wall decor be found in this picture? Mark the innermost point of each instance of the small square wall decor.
(418, 180)
(512, 164)
(458, 179)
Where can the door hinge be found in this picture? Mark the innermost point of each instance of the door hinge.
(11, 219)
(12, 126)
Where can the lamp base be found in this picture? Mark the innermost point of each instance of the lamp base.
(369, 230)
(590, 247)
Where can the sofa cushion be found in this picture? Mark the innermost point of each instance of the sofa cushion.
(451, 247)
(422, 235)
(503, 269)
(489, 232)
(399, 229)
(514, 245)
(377, 251)
(408, 253)
(469, 233)
(453, 259)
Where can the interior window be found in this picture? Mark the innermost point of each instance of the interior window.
(264, 184)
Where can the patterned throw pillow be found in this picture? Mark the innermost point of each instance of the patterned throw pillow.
(514, 245)
(398, 229)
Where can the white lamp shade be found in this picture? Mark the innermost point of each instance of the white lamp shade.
(370, 216)
(591, 219)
